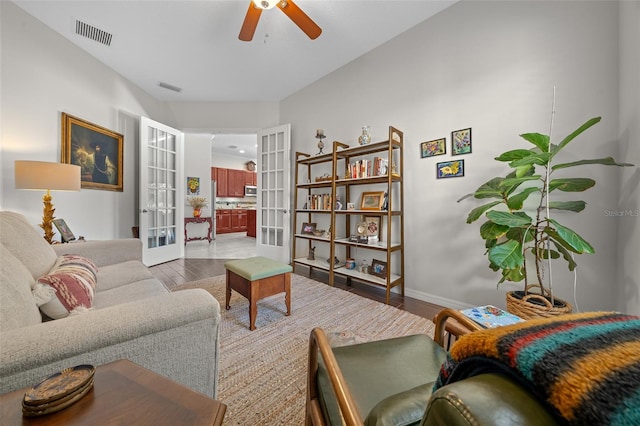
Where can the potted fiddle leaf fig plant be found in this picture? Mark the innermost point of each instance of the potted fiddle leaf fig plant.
(514, 234)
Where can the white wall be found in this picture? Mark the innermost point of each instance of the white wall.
(629, 223)
(44, 75)
(490, 66)
(197, 161)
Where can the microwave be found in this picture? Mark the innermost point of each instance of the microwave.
(250, 191)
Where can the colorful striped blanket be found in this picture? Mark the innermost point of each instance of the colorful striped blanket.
(584, 367)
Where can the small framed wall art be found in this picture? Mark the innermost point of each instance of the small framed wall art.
(433, 148)
(449, 169)
(461, 141)
(65, 233)
(372, 201)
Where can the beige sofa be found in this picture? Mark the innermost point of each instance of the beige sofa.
(133, 315)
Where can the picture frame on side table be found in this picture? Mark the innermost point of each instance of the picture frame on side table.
(378, 268)
(449, 169)
(372, 200)
(97, 150)
(433, 148)
(461, 141)
(308, 228)
(65, 233)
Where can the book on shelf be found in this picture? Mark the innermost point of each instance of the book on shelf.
(490, 317)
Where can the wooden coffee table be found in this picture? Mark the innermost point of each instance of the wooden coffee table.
(124, 394)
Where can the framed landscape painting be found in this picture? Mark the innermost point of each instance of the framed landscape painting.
(97, 150)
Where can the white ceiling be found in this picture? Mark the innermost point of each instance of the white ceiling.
(194, 44)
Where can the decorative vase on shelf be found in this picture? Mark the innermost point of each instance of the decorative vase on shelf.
(197, 212)
(365, 137)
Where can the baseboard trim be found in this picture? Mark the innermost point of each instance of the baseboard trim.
(432, 298)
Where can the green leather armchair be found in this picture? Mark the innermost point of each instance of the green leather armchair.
(390, 382)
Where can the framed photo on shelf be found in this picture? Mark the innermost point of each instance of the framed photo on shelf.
(433, 148)
(378, 268)
(97, 150)
(461, 141)
(372, 200)
(373, 225)
(308, 228)
(449, 169)
(65, 233)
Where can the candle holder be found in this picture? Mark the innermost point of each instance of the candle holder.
(320, 135)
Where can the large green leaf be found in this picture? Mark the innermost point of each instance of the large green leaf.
(566, 255)
(515, 202)
(578, 131)
(492, 231)
(513, 182)
(515, 154)
(511, 220)
(573, 206)
(479, 211)
(539, 140)
(507, 255)
(579, 244)
(515, 275)
(571, 184)
(541, 159)
(524, 235)
(490, 189)
(607, 161)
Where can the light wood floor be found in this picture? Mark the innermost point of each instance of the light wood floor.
(181, 271)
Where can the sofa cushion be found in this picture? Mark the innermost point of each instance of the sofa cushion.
(74, 279)
(133, 292)
(17, 307)
(119, 274)
(26, 244)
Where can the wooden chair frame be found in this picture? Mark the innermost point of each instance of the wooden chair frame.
(447, 321)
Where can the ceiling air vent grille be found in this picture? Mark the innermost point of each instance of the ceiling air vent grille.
(95, 34)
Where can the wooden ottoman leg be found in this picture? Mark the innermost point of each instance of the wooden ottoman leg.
(254, 294)
(287, 290)
(228, 291)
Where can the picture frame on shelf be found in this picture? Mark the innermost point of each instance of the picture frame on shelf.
(461, 141)
(378, 268)
(433, 148)
(97, 150)
(449, 169)
(308, 228)
(372, 200)
(351, 206)
(373, 225)
(65, 233)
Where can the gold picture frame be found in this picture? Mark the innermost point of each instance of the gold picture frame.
(97, 150)
(373, 226)
(372, 200)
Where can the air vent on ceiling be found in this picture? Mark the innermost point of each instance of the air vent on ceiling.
(169, 86)
(95, 34)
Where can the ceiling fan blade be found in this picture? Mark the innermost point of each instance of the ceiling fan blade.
(300, 18)
(250, 23)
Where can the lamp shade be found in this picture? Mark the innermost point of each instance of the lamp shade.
(47, 176)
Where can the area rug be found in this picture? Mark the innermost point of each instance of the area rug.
(262, 373)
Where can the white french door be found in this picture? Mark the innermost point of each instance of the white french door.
(274, 193)
(160, 199)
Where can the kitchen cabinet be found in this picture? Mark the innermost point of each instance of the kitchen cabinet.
(251, 223)
(231, 220)
(231, 182)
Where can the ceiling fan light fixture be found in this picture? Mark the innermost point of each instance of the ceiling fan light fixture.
(265, 4)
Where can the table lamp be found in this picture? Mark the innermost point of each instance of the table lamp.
(42, 175)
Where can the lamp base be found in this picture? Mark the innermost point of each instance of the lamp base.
(47, 217)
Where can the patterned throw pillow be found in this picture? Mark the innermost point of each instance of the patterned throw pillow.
(73, 278)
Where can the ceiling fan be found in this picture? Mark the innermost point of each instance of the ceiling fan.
(289, 8)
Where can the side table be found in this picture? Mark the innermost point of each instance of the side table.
(124, 393)
(198, 220)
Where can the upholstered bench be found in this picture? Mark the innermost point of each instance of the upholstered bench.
(256, 278)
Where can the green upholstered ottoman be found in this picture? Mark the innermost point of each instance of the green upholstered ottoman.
(256, 278)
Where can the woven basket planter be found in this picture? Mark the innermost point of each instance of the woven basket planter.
(536, 305)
